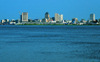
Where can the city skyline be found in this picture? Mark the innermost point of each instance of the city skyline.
(79, 19)
(70, 9)
(58, 19)
(24, 16)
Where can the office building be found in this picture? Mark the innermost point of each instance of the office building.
(58, 18)
(47, 15)
(92, 17)
(5, 21)
(24, 17)
(74, 20)
(2, 21)
(13, 22)
(61, 17)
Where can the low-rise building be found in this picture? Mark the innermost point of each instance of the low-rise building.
(75, 20)
(5, 21)
(69, 21)
(83, 21)
(52, 22)
(13, 22)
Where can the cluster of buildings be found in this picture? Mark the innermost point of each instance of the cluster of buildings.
(58, 19)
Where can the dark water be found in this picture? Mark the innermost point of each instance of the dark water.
(49, 43)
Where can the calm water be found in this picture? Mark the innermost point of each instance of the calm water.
(49, 43)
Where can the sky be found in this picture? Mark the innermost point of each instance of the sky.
(81, 9)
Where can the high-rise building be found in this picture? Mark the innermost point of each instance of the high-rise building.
(24, 17)
(58, 18)
(92, 17)
(47, 15)
(20, 18)
(61, 17)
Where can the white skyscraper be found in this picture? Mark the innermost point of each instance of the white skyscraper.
(24, 17)
(61, 17)
(92, 17)
(58, 17)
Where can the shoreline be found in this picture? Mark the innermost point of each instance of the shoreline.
(63, 24)
(58, 24)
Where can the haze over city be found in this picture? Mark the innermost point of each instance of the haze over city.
(81, 9)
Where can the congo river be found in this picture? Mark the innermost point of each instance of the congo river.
(49, 43)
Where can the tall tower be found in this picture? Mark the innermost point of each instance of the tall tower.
(56, 17)
(24, 17)
(92, 17)
(61, 17)
(47, 15)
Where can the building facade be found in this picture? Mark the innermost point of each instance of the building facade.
(2, 21)
(47, 16)
(5, 21)
(61, 17)
(92, 17)
(24, 17)
(58, 18)
(75, 20)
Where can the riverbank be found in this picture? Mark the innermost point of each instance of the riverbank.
(57, 24)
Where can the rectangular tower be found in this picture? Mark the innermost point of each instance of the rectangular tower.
(24, 17)
(61, 17)
(56, 17)
(92, 17)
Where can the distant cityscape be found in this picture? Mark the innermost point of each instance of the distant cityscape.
(57, 19)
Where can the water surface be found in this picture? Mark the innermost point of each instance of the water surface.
(49, 43)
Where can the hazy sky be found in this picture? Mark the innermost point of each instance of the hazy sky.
(10, 9)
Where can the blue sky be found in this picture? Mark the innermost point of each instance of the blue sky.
(81, 9)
